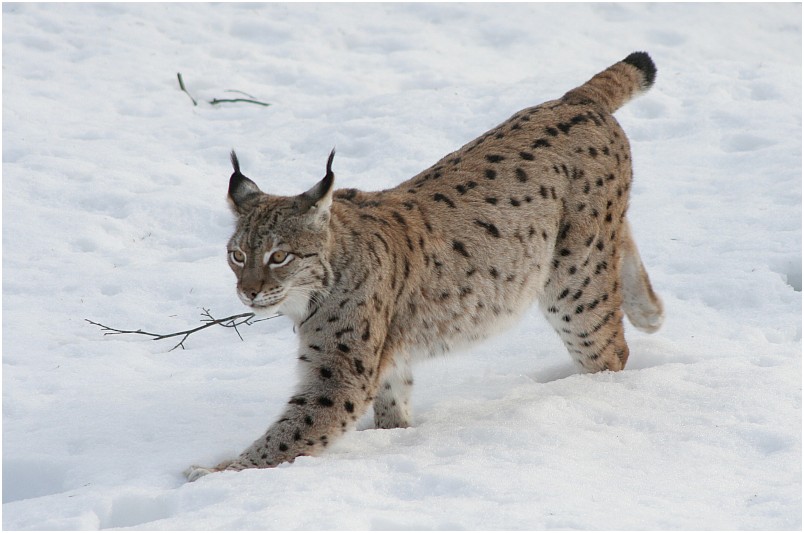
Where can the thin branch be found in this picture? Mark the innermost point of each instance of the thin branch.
(216, 101)
(228, 322)
(239, 92)
(181, 86)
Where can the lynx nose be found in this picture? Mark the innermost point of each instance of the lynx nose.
(249, 292)
(250, 285)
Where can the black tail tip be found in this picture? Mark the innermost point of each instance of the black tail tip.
(644, 63)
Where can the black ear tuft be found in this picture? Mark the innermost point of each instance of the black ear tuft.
(320, 195)
(329, 163)
(242, 191)
(329, 178)
(235, 162)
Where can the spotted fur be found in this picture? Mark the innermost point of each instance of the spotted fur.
(532, 211)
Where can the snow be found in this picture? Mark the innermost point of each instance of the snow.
(113, 210)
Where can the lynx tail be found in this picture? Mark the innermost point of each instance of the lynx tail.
(618, 84)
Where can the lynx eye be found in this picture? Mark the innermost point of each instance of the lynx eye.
(278, 258)
(237, 257)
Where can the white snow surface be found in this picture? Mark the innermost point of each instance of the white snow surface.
(114, 210)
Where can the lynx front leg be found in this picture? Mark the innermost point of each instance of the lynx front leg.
(335, 391)
(392, 405)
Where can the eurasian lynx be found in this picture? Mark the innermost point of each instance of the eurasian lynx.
(533, 210)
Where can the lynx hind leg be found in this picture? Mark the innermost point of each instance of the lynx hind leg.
(582, 303)
(392, 403)
(642, 306)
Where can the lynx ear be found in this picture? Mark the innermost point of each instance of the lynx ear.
(319, 198)
(242, 191)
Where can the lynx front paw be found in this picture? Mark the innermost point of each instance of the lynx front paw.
(195, 472)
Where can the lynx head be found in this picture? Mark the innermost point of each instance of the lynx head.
(279, 251)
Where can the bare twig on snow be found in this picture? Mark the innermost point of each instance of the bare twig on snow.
(229, 322)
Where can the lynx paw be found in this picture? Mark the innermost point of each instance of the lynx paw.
(195, 472)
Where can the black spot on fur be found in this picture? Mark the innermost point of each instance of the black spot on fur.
(527, 156)
(344, 331)
(601, 266)
(491, 158)
(488, 226)
(490, 174)
(399, 218)
(543, 143)
(521, 175)
(323, 401)
(459, 247)
(349, 406)
(491, 200)
(463, 189)
(579, 119)
(326, 373)
(438, 197)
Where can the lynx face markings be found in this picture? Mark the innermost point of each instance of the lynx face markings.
(532, 211)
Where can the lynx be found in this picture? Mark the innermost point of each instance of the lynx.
(532, 211)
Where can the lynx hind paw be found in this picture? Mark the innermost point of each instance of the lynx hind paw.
(195, 472)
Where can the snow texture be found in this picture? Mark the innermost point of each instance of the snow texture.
(113, 210)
